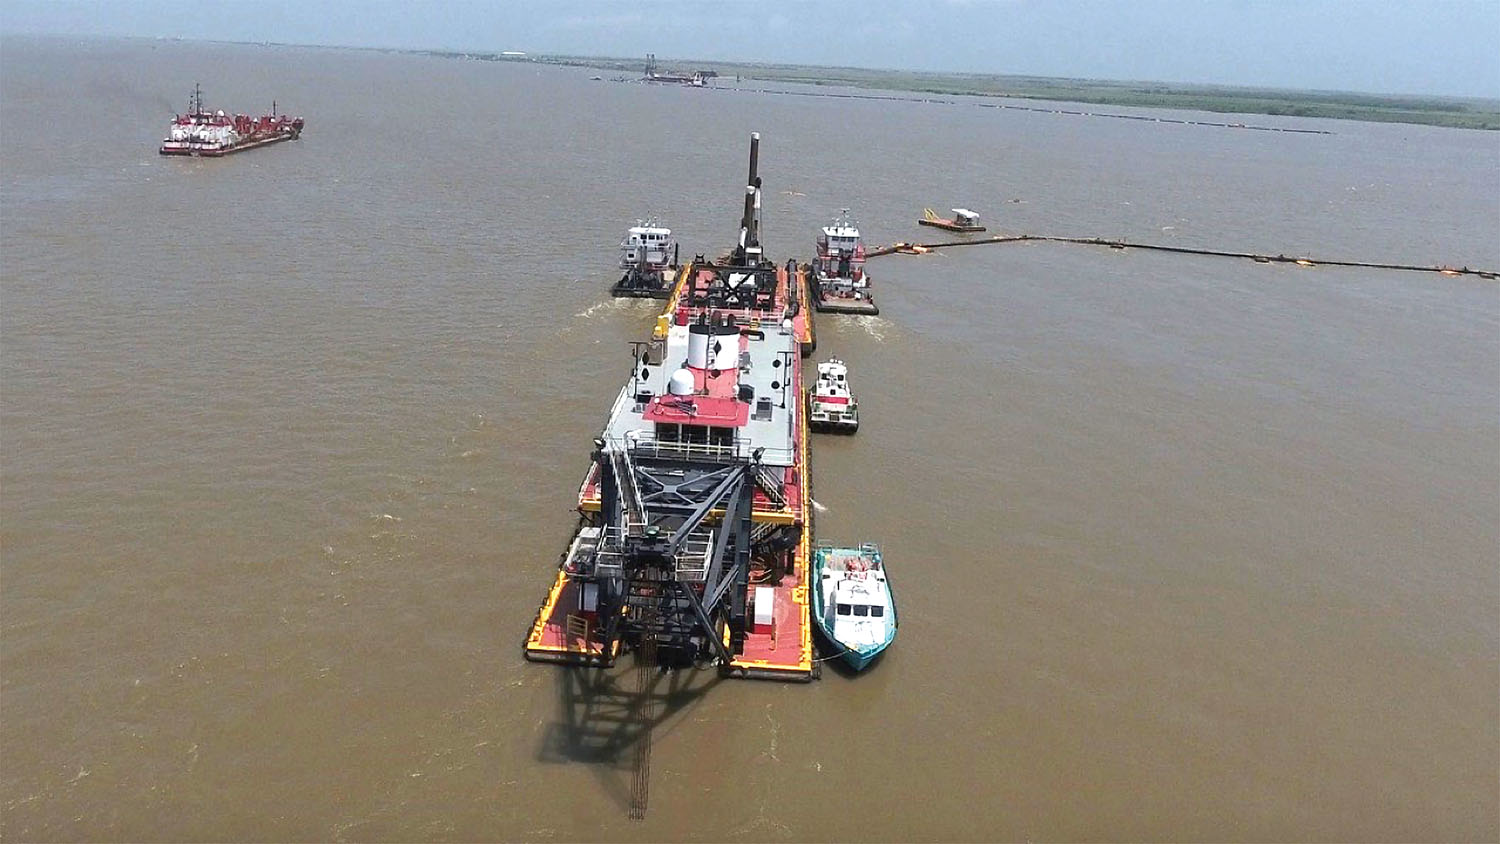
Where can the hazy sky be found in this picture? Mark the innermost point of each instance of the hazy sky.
(1390, 46)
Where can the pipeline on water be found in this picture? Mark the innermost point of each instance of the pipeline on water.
(921, 248)
(978, 99)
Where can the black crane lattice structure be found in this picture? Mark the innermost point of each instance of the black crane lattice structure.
(676, 546)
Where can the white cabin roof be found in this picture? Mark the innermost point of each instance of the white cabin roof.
(866, 589)
(964, 212)
(841, 231)
(650, 230)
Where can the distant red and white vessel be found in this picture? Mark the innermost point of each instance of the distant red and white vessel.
(215, 134)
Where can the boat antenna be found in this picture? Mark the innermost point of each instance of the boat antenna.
(197, 103)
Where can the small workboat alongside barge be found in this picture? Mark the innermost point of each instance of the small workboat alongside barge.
(852, 602)
(831, 407)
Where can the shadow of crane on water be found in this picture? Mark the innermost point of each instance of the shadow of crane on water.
(607, 716)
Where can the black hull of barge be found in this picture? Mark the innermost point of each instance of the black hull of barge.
(644, 284)
(846, 306)
(620, 291)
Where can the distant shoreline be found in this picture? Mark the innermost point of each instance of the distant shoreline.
(1418, 109)
(1450, 112)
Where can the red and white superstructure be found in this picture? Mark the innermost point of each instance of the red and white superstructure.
(838, 272)
(214, 134)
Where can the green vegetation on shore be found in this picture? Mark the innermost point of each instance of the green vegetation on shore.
(1454, 112)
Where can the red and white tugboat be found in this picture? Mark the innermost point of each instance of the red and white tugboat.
(648, 255)
(831, 408)
(693, 544)
(841, 284)
(215, 134)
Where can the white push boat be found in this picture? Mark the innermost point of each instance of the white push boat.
(831, 408)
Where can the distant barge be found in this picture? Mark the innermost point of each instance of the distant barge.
(216, 134)
(693, 545)
(963, 220)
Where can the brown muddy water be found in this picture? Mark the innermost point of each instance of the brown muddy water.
(1186, 548)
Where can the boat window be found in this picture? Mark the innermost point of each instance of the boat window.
(843, 609)
(877, 612)
(861, 609)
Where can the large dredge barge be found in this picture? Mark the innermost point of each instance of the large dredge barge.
(693, 545)
(216, 134)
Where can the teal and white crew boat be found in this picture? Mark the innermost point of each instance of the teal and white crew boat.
(853, 603)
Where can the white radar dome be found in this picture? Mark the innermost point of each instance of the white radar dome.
(681, 383)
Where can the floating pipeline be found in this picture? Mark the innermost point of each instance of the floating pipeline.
(976, 101)
(923, 248)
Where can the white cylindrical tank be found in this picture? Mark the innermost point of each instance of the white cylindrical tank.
(681, 383)
(727, 357)
(724, 348)
(700, 337)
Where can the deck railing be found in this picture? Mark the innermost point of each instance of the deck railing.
(644, 444)
(600, 552)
